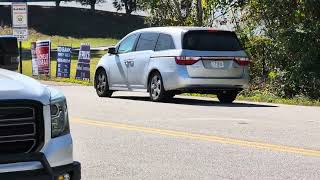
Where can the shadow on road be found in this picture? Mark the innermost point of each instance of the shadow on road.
(195, 102)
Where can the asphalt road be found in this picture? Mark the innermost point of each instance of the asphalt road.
(128, 137)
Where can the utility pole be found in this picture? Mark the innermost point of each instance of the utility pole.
(20, 56)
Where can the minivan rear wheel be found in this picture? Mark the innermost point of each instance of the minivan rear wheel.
(101, 84)
(227, 97)
(156, 88)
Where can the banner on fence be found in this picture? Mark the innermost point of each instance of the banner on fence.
(43, 49)
(63, 61)
(83, 66)
(34, 59)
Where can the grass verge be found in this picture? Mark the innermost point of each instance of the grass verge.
(259, 97)
(62, 40)
(267, 98)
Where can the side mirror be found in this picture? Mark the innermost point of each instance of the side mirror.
(112, 50)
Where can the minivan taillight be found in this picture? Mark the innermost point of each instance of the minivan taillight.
(242, 61)
(187, 60)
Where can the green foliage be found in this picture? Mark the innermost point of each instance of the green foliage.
(178, 12)
(288, 41)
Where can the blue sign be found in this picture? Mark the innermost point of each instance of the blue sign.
(83, 67)
(63, 61)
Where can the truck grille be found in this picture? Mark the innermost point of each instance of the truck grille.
(21, 127)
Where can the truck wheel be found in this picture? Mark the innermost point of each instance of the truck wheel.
(101, 83)
(227, 97)
(156, 88)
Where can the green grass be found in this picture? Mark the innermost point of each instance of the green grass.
(268, 98)
(68, 41)
(63, 40)
(278, 100)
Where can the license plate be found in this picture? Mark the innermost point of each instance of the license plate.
(217, 64)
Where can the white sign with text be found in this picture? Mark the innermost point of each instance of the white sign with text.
(20, 20)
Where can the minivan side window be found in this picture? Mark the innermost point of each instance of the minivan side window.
(165, 42)
(127, 44)
(147, 41)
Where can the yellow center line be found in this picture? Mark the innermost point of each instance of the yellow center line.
(211, 138)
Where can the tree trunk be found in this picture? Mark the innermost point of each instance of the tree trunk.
(199, 13)
(58, 3)
(186, 7)
(92, 6)
(178, 9)
(126, 6)
(129, 6)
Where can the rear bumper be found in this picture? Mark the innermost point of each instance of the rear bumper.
(46, 173)
(174, 81)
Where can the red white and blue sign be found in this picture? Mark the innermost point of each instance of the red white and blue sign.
(83, 67)
(43, 49)
(63, 61)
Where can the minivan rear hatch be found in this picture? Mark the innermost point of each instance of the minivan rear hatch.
(217, 54)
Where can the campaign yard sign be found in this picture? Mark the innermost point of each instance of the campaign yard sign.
(83, 67)
(63, 61)
(34, 59)
(43, 49)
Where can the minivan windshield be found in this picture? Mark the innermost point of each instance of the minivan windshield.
(211, 41)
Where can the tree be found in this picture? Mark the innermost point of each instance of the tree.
(178, 12)
(292, 28)
(92, 3)
(129, 5)
(199, 8)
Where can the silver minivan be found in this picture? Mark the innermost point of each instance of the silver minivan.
(166, 61)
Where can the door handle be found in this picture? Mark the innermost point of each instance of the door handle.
(126, 63)
(131, 63)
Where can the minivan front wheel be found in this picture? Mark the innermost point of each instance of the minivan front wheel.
(227, 97)
(156, 88)
(101, 83)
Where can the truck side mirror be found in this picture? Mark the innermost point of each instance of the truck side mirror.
(9, 53)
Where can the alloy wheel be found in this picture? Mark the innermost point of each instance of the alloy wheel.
(101, 83)
(155, 87)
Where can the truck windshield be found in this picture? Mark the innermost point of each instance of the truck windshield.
(8, 46)
(8, 53)
(211, 41)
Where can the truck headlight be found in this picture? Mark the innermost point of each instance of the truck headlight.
(59, 117)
